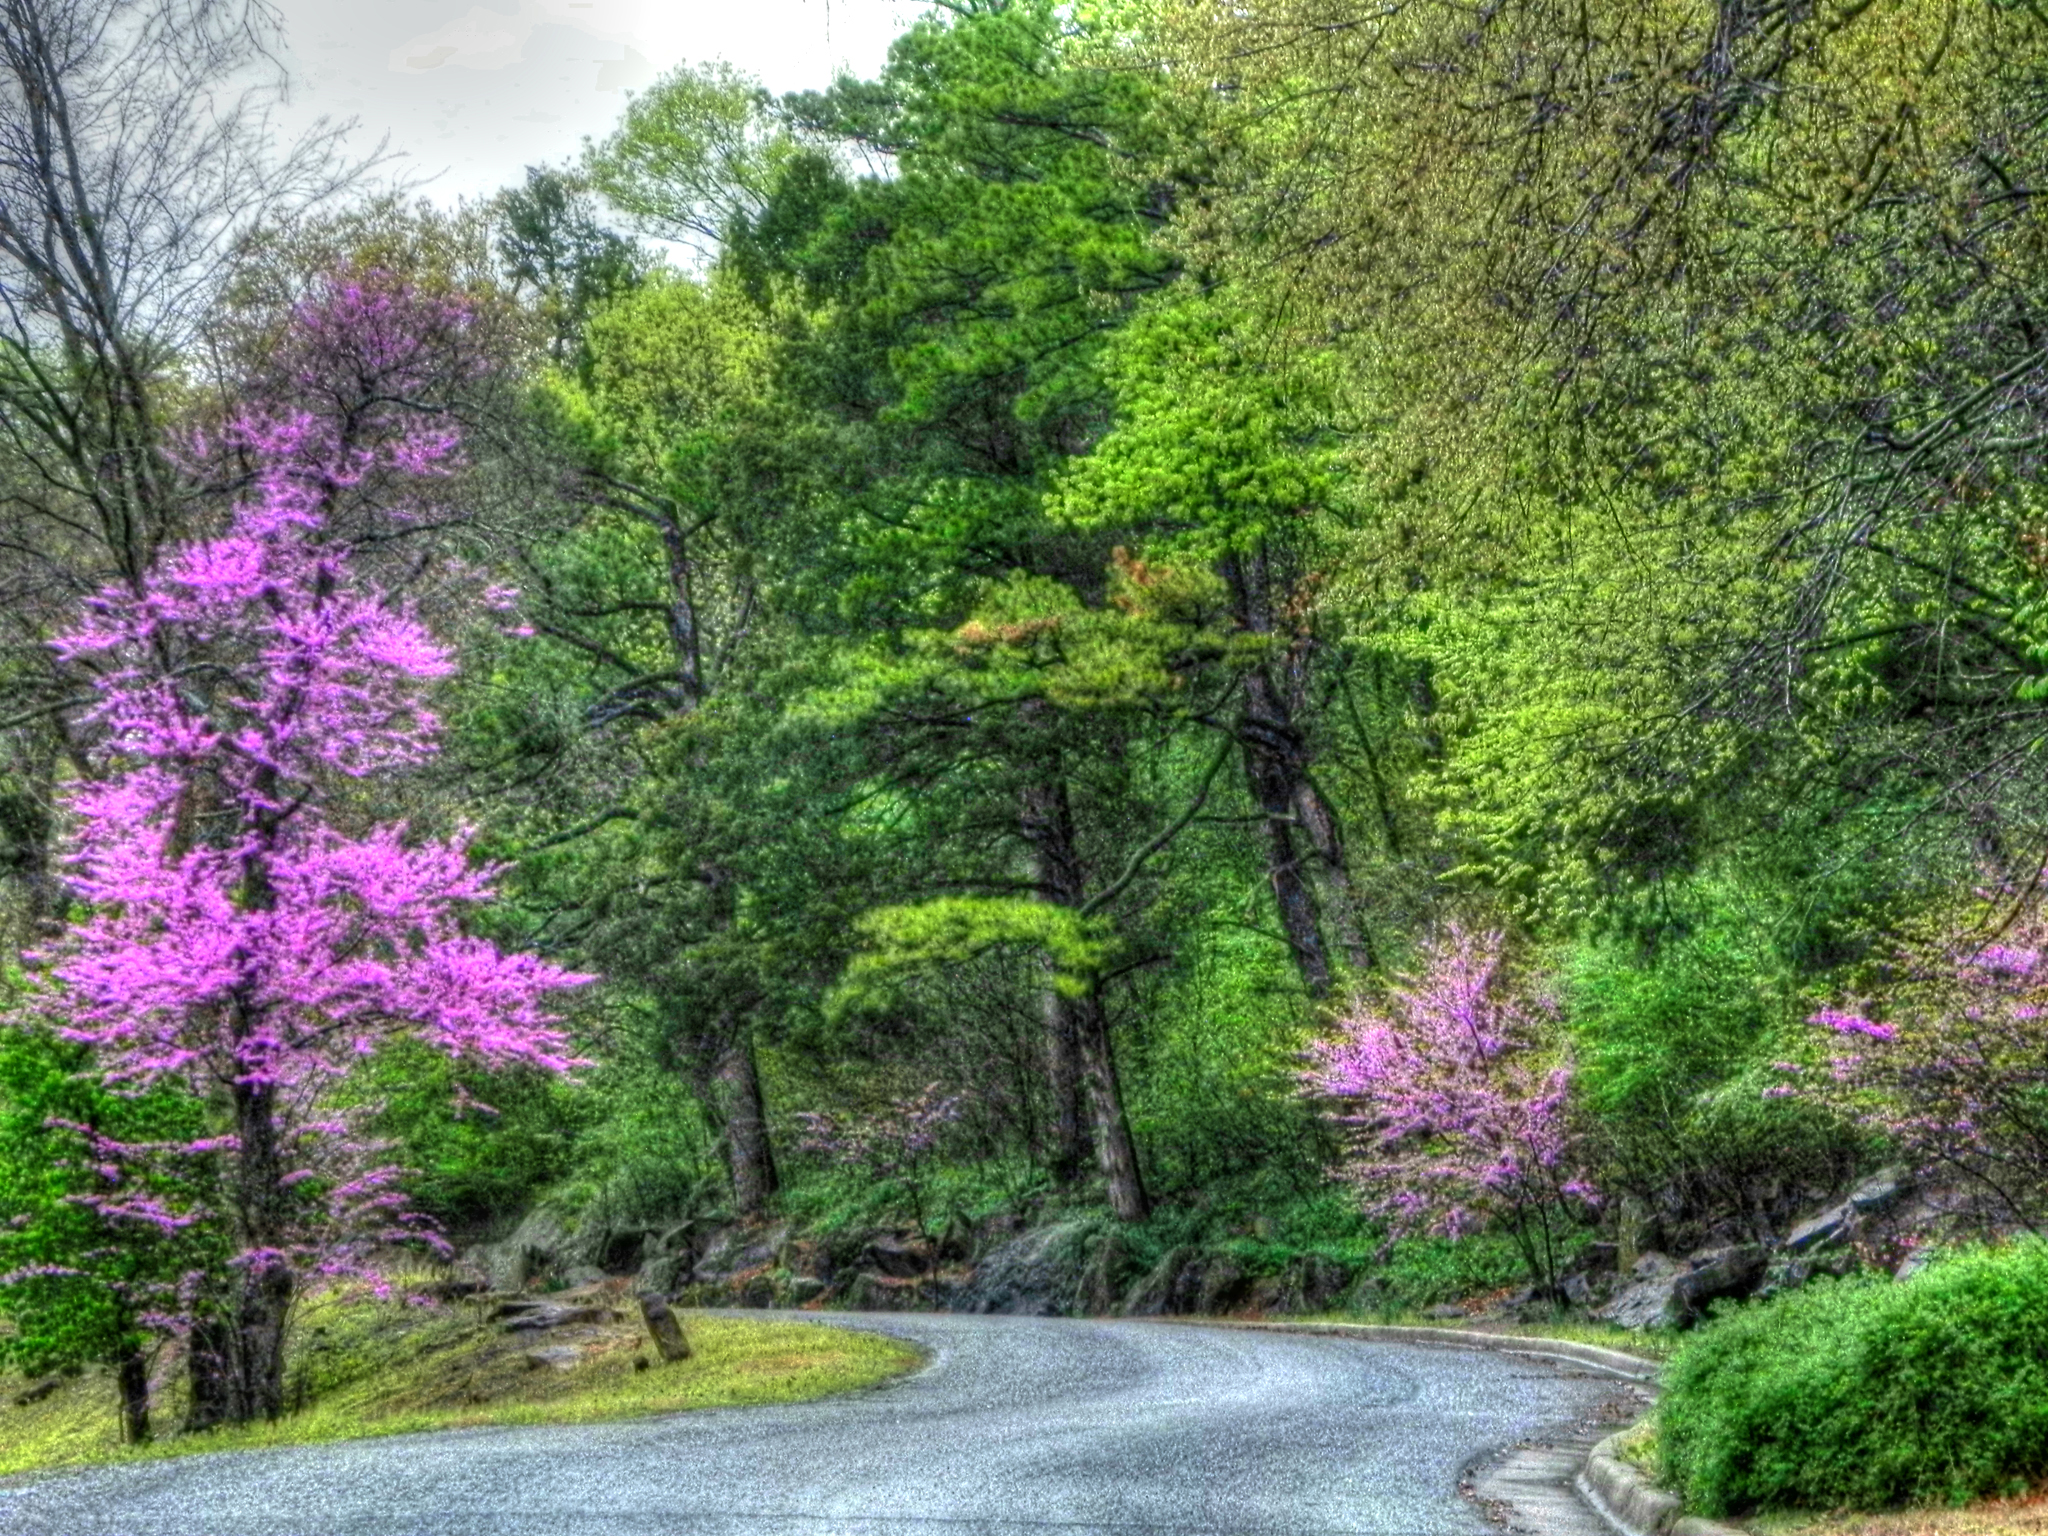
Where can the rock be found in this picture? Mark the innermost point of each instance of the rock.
(1718, 1275)
(740, 1248)
(899, 1258)
(871, 1292)
(1224, 1285)
(1323, 1280)
(558, 1357)
(1596, 1259)
(1447, 1312)
(670, 1342)
(1578, 1290)
(541, 1318)
(1832, 1226)
(1039, 1274)
(456, 1289)
(1662, 1293)
(664, 1271)
(1152, 1294)
(1107, 1259)
(1880, 1192)
(624, 1249)
(1915, 1260)
(38, 1392)
(1645, 1301)
(806, 1288)
(755, 1290)
(536, 1246)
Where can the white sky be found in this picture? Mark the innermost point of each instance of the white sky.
(472, 94)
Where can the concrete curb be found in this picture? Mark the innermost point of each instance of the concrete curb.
(1609, 1362)
(1604, 1483)
(1632, 1504)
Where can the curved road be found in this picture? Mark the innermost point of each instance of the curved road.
(1016, 1426)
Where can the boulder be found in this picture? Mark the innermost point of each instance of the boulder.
(1152, 1294)
(664, 1272)
(1039, 1274)
(1644, 1300)
(1720, 1274)
(1880, 1192)
(1663, 1293)
(1831, 1227)
(871, 1292)
(539, 1244)
(1321, 1282)
(540, 1318)
(898, 1257)
(806, 1288)
(739, 1248)
(556, 1357)
(1106, 1260)
(1447, 1312)
(1224, 1284)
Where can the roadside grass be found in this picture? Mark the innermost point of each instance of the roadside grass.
(2023, 1516)
(361, 1367)
(1651, 1345)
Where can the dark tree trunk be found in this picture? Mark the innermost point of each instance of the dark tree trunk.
(263, 1288)
(134, 1374)
(1115, 1153)
(748, 1152)
(1070, 1146)
(1079, 1025)
(1309, 875)
(210, 1369)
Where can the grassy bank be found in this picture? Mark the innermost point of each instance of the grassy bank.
(362, 1367)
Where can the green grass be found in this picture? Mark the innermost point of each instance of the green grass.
(1650, 1346)
(362, 1368)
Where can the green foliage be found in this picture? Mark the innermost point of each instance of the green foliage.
(1868, 1393)
(478, 1144)
(78, 1285)
(1672, 1030)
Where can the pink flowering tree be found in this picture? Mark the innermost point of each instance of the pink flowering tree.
(1950, 1063)
(1454, 1105)
(894, 1144)
(251, 929)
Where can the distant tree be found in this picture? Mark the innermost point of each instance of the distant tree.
(553, 246)
(252, 930)
(1456, 1115)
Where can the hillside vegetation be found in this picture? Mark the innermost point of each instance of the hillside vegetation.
(1363, 658)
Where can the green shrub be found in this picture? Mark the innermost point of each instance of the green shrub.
(1868, 1393)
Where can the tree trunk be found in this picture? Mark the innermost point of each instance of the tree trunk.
(1312, 887)
(1070, 1146)
(210, 1370)
(263, 1284)
(1077, 1028)
(134, 1373)
(1116, 1154)
(748, 1152)
(1272, 790)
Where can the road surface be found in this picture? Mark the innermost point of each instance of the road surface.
(1016, 1427)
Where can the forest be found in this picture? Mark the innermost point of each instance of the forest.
(1405, 636)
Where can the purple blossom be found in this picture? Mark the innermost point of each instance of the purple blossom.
(245, 934)
(1451, 1114)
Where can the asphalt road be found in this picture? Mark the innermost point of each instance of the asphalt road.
(1017, 1425)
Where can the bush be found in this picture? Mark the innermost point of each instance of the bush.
(1868, 1393)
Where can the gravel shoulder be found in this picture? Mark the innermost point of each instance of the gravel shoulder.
(1014, 1425)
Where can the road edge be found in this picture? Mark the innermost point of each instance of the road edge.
(1528, 1478)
